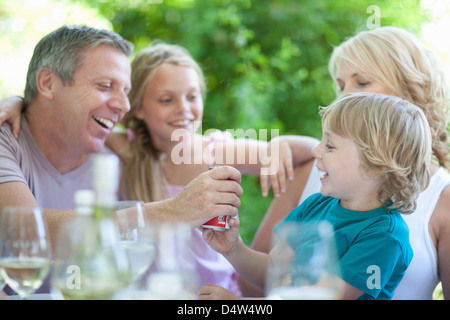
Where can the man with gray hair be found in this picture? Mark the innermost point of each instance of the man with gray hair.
(76, 92)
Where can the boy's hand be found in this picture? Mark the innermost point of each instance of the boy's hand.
(223, 241)
(212, 291)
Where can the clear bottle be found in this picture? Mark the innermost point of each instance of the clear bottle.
(76, 249)
(91, 264)
(105, 182)
(84, 203)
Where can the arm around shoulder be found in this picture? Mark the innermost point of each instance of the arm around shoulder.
(11, 111)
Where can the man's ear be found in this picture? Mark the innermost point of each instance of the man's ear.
(45, 79)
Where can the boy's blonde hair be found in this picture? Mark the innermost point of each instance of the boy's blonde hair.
(394, 141)
(397, 60)
(143, 176)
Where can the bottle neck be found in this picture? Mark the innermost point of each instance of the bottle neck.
(104, 206)
(105, 184)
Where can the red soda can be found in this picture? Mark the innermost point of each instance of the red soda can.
(219, 223)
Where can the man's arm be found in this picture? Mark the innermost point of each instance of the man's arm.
(213, 193)
(18, 194)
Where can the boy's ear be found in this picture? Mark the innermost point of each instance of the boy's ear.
(45, 83)
(374, 173)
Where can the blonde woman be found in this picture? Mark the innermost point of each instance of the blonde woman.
(371, 170)
(392, 61)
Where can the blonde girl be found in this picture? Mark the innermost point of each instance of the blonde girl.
(166, 102)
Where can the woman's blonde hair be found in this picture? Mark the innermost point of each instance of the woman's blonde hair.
(394, 141)
(397, 60)
(143, 176)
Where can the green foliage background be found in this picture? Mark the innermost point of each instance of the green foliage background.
(265, 61)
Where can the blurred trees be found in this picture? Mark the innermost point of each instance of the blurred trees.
(265, 61)
(23, 23)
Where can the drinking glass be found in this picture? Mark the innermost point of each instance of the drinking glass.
(173, 275)
(304, 263)
(136, 237)
(89, 262)
(25, 251)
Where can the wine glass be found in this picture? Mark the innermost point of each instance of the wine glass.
(2, 281)
(25, 251)
(304, 263)
(89, 262)
(136, 237)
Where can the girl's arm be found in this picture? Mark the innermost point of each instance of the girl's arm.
(119, 143)
(300, 146)
(273, 160)
(286, 153)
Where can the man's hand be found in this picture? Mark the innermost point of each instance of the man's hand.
(213, 193)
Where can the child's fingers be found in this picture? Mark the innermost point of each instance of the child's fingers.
(275, 186)
(289, 166)
(264, 181)
(233, 222)
(207, 235)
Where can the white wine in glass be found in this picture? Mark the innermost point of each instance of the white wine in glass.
(25, 253)
(136, 237)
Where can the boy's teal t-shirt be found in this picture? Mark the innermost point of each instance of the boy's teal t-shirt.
(373, 247)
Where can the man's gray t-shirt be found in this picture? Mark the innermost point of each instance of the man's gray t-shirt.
(22, 160)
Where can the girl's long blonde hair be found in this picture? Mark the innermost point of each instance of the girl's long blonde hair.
(143, 176)
(394, 141)
(396, 59)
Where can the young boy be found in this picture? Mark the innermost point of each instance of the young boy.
(374, 156)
